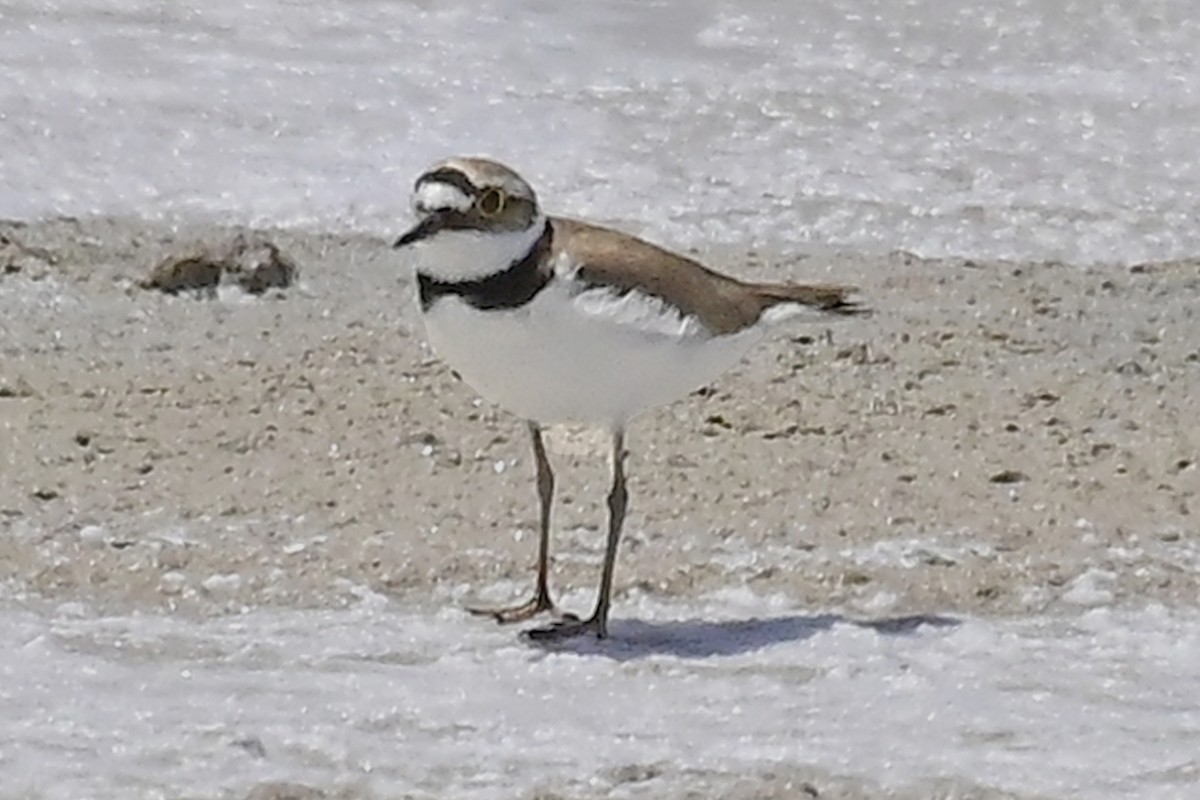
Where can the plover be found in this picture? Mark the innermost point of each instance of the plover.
(562, 321)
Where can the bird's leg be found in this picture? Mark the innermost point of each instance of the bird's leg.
(541, 597)
(618, 499)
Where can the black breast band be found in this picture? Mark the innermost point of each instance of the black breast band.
(507, 289)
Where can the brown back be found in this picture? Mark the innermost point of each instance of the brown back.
(722, 304)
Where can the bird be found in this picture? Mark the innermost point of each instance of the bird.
(559, 320)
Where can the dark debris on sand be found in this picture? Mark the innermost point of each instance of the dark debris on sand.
(251, 262)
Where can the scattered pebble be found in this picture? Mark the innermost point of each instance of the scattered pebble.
(18, 390)
(252, 745)
(1091, 588)
(73, 610)
(259, 265)
(93, 534)
(635, 773)
(199, 273)
(222, 584)
(285, 791)
(173, 582)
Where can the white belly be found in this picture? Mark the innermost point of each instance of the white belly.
(579, 358)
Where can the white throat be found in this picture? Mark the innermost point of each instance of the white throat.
(466, 255)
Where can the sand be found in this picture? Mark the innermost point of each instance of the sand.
(997, 438)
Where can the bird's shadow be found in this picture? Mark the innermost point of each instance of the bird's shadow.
(695, 638)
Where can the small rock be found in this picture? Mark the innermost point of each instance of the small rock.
(260, 265)
(18, 258)
(940, 410)
(172, 583)
(858, 354)
(172, 555)
(93, 534)
(718, 421)
(285, 791)
(1092, 588)
(855, 578)
(448, 458)
(199, 273)
(635, 773)
(18, 390)
(932, 559)
(72, 609)
(1009, 476)
(424, 438)
(222, 584)
(252, 745)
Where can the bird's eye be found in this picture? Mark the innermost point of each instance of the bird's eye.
(491, 202)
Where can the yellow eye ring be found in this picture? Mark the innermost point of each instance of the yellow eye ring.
(491, 202)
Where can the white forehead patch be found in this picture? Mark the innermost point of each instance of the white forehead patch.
(435, 196)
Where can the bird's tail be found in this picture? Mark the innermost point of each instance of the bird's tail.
(780, 300)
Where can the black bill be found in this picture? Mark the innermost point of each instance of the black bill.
(422, 230)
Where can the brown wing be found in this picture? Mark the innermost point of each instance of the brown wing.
(721, 303)
(825, 297)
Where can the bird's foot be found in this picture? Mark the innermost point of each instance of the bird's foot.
(508, 615)
(568, 626)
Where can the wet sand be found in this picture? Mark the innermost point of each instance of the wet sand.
(998, 438)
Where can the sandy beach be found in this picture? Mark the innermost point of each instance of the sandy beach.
(998, 438)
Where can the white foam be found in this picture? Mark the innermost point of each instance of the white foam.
(385, 700)
(978, 129)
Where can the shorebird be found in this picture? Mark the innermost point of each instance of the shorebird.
(558, 320)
